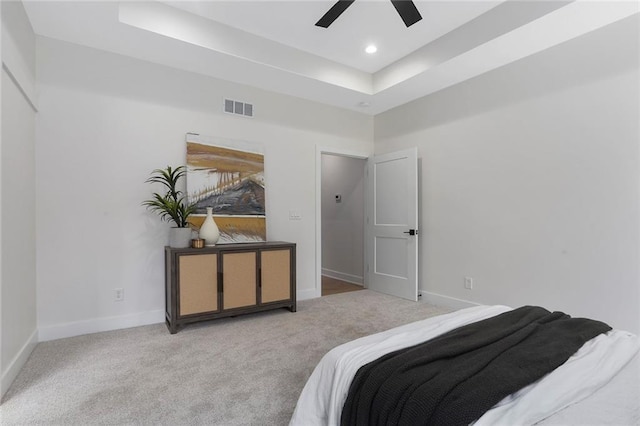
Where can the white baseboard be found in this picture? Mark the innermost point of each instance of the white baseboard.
(353, 279)
(446, 301)
(16, 364)
(306, 294)
(77, 328)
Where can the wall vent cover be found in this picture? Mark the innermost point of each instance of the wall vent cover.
(238, 108)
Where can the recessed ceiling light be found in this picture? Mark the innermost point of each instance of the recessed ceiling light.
(371, 49)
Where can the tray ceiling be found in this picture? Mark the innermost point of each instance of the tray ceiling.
(275, 45)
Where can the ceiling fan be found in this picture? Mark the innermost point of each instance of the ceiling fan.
(406, 9)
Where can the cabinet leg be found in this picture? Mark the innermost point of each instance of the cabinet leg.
(173, 329)
(292, 308)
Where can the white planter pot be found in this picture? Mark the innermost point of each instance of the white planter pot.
(180, 237)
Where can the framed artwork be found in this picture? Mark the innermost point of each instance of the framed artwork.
(228, 176)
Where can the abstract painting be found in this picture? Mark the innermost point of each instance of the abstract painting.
(228, 176)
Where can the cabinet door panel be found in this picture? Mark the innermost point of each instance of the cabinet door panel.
(239, 279)
(198, 284)
(276, 275)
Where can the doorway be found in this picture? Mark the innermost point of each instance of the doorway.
(391, 233)
(340, 222)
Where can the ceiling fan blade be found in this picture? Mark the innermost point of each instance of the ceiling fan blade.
(407, 11)
(333, 13)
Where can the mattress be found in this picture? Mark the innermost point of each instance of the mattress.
(600, 375)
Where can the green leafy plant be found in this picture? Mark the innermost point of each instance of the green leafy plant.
(172, 206)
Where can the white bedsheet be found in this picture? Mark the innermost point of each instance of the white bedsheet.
(323, 396)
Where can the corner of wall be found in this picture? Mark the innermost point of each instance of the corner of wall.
(2, 385)
(16, 364)
(17, 41)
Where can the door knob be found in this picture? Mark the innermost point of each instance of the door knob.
(411, 232)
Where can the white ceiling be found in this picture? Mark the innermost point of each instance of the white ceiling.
(275, 45)
(364, 22)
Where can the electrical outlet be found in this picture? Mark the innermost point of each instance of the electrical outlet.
(468, 283)
(118, 294)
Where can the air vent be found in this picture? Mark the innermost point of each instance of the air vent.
(238, 108)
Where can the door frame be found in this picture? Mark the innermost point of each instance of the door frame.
(362, 155)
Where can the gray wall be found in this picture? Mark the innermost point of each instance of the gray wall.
(343, 223)
(530, 180)
(17, 196)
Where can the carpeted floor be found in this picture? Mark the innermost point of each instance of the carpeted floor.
(246, 370)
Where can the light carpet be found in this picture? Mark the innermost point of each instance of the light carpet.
(247, 370)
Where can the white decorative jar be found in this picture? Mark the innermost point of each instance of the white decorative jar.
(209, 231)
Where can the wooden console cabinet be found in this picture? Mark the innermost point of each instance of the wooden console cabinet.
(228, 280)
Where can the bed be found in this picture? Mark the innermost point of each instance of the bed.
(598, 384)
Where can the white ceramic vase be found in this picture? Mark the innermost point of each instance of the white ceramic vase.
(209, 231)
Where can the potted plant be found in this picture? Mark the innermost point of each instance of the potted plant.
(172, 206)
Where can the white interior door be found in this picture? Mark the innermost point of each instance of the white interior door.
(391, 228)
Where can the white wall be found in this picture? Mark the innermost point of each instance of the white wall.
(343, 223)
(17, 195)
(105, 121)
(530, 180)
(1, 96)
